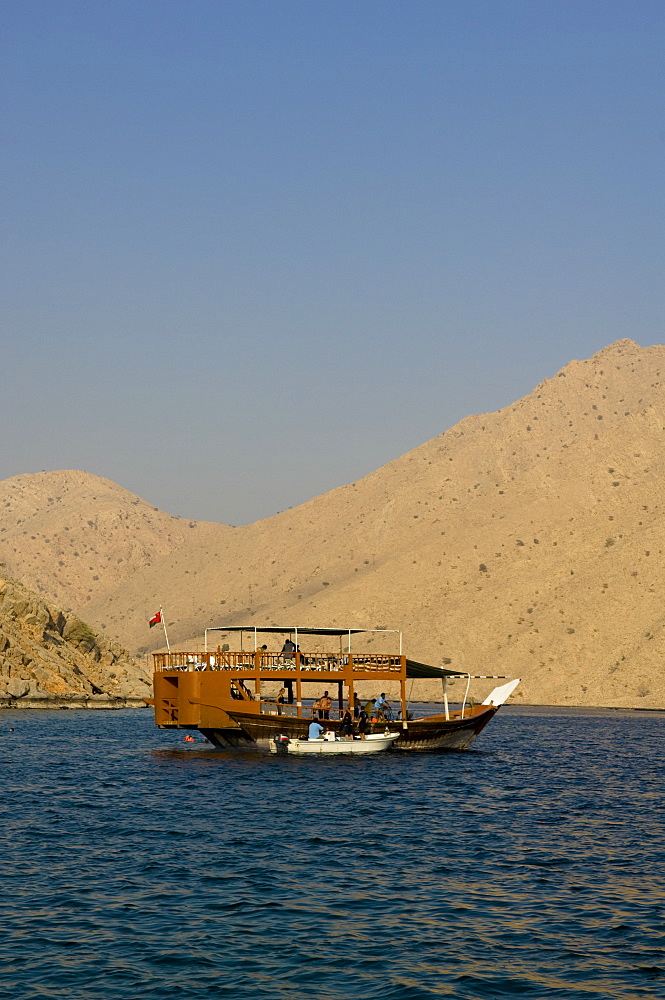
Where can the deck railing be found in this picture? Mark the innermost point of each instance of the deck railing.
(308, 711)
(286, 710)
(316, 662)
(202, 661)
(334, 714)
(376, 661)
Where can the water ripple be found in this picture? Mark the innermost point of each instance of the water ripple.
(135, 867)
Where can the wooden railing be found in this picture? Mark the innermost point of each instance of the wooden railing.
(269, 707)
(316, 662)
(376, 661)
(272, 708)
(202, 661)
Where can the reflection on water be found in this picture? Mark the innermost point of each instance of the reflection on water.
(137, 866)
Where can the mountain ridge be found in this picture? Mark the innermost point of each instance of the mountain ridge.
(513, 542)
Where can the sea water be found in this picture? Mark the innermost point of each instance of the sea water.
(137, 866)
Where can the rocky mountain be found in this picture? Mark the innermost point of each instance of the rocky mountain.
(52, 659)
(525, 542)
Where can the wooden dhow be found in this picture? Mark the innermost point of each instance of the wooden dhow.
(230, 697)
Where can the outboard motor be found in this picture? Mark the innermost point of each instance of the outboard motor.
(281, 742)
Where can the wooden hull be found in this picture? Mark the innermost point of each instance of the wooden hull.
(434, 732)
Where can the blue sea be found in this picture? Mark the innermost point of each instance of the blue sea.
(136, 866)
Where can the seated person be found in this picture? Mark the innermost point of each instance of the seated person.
(315, 730)
(381, 706)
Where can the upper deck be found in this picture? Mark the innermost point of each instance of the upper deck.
(290, 660)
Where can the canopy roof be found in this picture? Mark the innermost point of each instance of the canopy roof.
(296, 628)
(415, 669)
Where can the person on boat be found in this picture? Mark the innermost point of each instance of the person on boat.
(347, 722)
(303, 659)
(288, 649)
(325, 704)
(381, 706)
(317, 711)
(281, 698)
(369, 705)
(315, 730)
(363, 723)
(356, 705)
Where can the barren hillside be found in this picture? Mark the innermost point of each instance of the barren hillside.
(524, 542)
(72, 536)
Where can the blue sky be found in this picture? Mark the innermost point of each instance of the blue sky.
(254, 250)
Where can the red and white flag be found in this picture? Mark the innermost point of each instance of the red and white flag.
(156, 619)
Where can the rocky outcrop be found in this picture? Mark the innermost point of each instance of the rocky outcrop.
(52, 659)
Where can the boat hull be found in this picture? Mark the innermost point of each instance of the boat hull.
(434, 732)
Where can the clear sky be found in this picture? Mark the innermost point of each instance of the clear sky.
(254, 249)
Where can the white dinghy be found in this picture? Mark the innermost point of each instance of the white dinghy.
(331, 743)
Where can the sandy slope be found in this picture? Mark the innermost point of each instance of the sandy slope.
(73, 536)
(526, 542)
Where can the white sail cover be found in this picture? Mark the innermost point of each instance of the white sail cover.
(501, 694)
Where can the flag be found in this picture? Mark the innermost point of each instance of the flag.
(156, 619)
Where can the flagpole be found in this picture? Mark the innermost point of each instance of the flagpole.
(161, 612)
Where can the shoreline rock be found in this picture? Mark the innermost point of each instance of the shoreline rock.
(102, 704)
(50, 657)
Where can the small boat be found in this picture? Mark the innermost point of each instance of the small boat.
(330, 743)
(232, 698)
